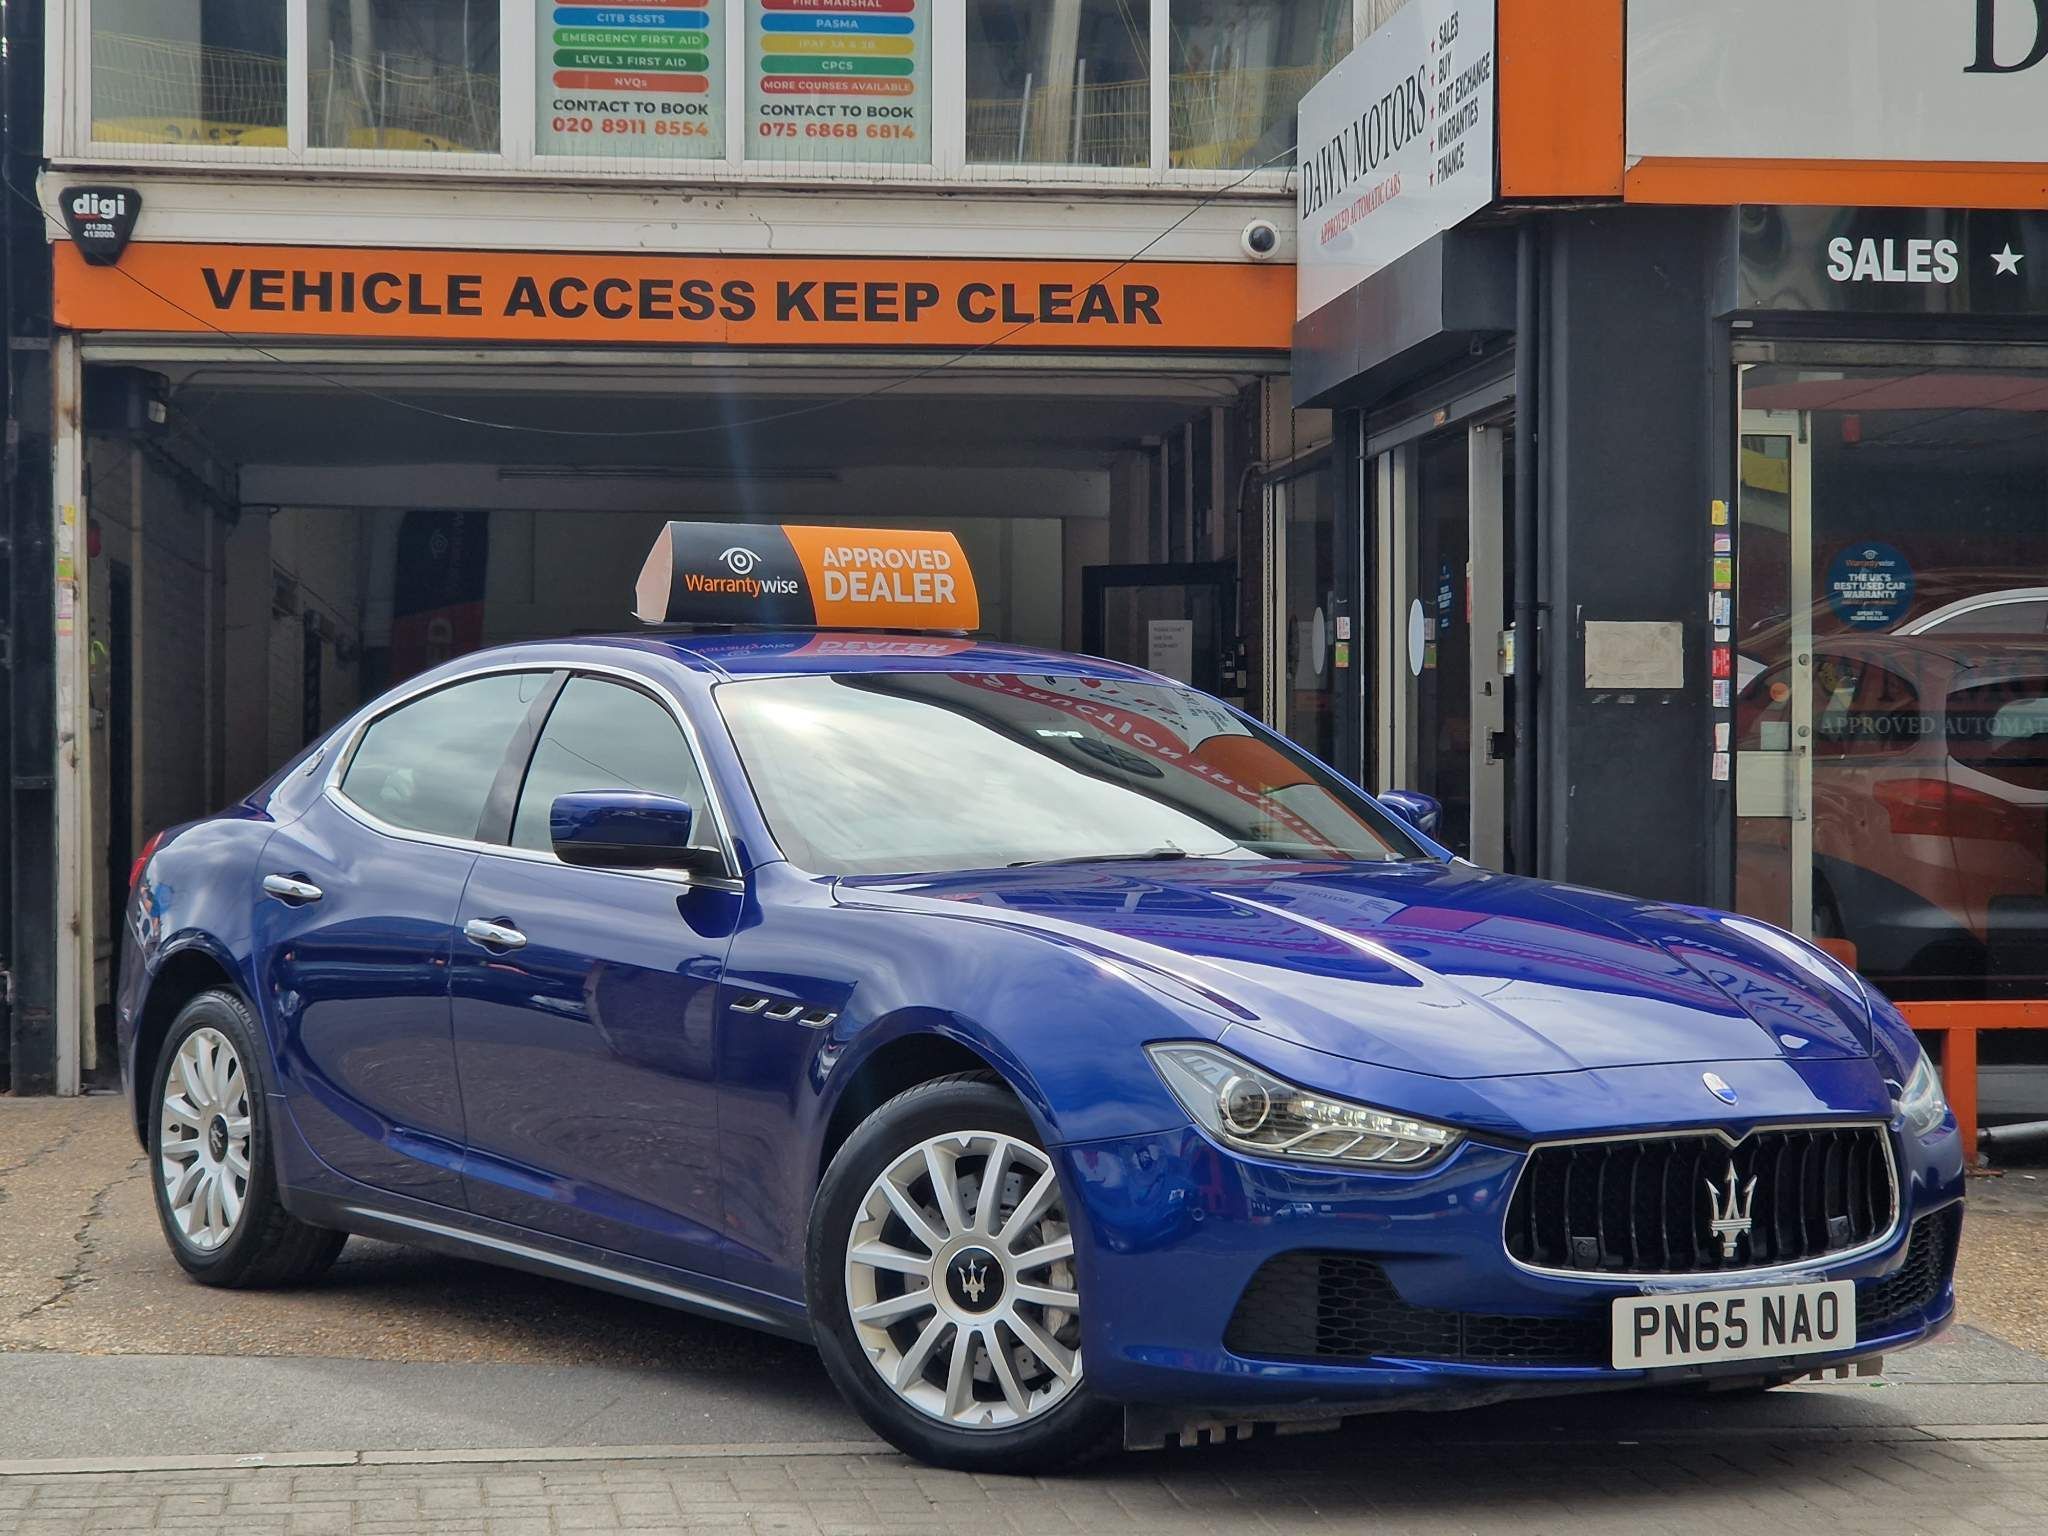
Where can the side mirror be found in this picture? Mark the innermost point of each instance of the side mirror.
(628, 829)
(1425, 813)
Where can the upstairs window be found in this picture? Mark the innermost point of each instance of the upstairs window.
(1239, 71)
(1110, 92)
(419, 76)
(839, 82)
(1059, 82)
(188, 72)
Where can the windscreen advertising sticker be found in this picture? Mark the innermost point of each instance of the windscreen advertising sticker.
(836, 578)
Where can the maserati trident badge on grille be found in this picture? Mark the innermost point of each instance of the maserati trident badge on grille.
(1717, 1085)
(1731, 1207)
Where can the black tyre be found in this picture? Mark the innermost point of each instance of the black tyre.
(950, 1320)
(210, 1156)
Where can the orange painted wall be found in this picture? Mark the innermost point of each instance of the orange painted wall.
(1831, 183)
(1561, 72)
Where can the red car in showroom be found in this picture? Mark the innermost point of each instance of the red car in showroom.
(1930, 805)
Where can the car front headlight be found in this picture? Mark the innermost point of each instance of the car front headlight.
(1245, 1107)
(1922, 1103)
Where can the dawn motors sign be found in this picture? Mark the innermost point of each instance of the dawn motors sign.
(1396, 145)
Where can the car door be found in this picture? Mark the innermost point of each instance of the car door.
(585, 1002)
(353, 926)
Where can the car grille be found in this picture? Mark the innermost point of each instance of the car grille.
(1916, 1285)
(1647, 1206)
(1341, 1307)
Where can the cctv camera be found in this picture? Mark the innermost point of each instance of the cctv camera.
(1261, 238)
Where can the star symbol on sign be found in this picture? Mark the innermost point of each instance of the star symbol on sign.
(2008, 260)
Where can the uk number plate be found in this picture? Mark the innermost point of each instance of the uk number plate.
(1764, 1323)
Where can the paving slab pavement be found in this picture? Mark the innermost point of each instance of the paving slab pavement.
(56, 1406)
(1807, 1487)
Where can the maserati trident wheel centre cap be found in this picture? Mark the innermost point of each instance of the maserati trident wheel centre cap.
(203, 1139)
(960, 1281)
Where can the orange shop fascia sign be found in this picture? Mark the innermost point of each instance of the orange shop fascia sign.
(238, 291)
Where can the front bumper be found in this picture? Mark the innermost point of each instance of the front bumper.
(1176, 1231)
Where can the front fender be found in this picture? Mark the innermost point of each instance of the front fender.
(1065, 1028)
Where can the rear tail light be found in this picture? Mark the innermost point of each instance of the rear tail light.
(1937, 808)
(142, 862)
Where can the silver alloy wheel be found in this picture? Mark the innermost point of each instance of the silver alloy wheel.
(960, 1281)
(203, 1139)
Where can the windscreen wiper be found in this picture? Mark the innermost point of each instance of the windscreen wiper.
(1107, 858)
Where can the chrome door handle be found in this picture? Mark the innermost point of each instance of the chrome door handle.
(285, 888)
(493, 935)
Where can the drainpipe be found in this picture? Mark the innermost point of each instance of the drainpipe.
(73, 940)
(1523, 820)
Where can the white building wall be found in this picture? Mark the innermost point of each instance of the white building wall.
(155, 525)
(318, 556)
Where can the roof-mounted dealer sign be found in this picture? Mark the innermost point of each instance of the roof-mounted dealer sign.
(1397, 145)
(846, 578)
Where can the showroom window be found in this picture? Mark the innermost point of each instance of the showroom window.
(1890, 670)
(1059, 82)
(189, 72)
(420, 76)
(1239, 69)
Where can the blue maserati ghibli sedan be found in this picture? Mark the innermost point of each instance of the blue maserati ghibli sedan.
(1060, 1051)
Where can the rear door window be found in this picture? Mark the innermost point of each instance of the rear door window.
(428, 766)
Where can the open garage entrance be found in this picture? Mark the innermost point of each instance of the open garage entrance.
(276, 535)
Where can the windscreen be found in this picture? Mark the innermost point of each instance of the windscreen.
(926, 772)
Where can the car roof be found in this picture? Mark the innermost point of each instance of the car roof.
(742, 653)
(1976, 602)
